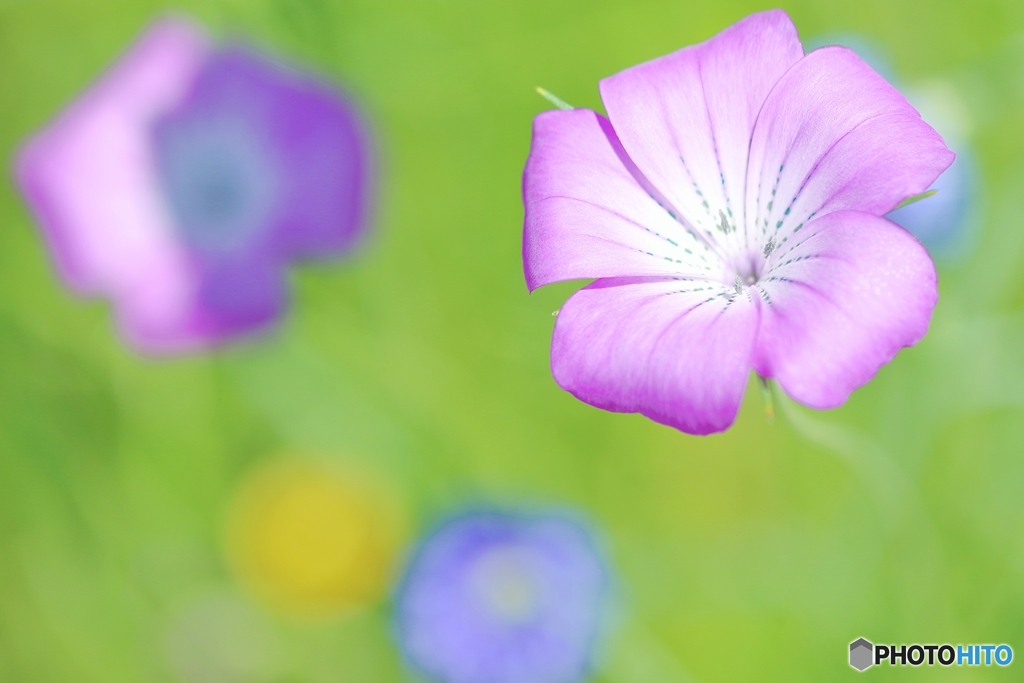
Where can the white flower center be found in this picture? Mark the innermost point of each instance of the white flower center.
(504, 580)
(746, 265)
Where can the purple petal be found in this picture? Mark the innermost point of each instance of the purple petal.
(675, 350)
(841, 304)
(90, 176)
(686, 118)
(588, 213)
(300, 141)
(328, 167)
(225, 299)
(834, 135)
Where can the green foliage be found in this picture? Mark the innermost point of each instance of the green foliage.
(754, 555)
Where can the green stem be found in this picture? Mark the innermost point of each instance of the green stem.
(766, 396)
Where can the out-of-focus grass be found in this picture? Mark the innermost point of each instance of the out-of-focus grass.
(755, 555)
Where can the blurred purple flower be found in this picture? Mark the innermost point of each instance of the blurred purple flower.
(183, 182)
(498, 598)
(730, 209)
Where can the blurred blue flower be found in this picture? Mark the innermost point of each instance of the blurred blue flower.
(945, 222)
(504, 598)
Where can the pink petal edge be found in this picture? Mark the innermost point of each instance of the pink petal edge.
(90, 179)
(712, 92)
(834, 135)
(841, 305)
(588, 214)
(677, 351)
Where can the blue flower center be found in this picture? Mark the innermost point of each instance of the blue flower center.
(505, 583)
(219, 181)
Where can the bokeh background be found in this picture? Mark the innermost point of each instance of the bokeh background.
(421, 362)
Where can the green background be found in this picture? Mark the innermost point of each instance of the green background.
(756, 555)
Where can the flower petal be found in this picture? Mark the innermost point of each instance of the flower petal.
(329, 165)
(588, 214)
(91, 180)
(307, 162)
(946, 222)
(226, 298)
(686, 118)
(841, 304)
(90, 177)
(675, 350)
(834, 135)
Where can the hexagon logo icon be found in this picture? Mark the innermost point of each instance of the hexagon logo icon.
(861, 654)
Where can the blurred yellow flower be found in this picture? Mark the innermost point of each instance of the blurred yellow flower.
(311, 539)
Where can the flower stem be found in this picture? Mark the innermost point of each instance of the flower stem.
(766, 396)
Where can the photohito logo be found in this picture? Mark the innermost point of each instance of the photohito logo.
(864, 654)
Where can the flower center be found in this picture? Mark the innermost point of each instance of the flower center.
(219, 181)
(504, 581)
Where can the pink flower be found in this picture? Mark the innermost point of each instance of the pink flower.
(185, 180)
(730, 210)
